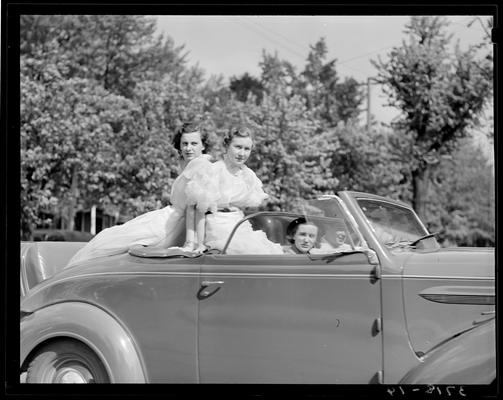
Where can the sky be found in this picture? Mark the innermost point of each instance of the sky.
(232, 45)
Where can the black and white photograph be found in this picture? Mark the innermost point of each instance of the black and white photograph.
(243, 199)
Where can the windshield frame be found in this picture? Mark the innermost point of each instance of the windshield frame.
(349, 218)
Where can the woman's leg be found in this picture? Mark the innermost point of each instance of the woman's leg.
(190, 228)
(200, 223)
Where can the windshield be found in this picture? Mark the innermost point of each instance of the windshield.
(331, 207)
(393, 224)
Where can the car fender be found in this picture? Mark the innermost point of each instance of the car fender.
(468, 357)
(91, 325)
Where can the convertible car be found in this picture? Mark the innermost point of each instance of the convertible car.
(390, 306)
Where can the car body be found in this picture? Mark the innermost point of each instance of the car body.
(395, 308)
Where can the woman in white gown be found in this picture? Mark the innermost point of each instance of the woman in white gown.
(164, 227)
(238, 188)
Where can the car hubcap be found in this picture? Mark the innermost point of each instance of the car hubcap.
(73, 375)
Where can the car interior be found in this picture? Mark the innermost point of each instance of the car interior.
(275, 226)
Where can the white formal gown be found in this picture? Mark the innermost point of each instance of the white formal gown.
(240, 190)
(166, 225)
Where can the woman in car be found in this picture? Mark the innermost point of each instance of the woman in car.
(238, 188)
(334, 240)
(302, 235)
(166, 227)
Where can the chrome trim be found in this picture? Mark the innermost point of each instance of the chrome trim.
(449, 277)
(352, 219)
(459, 298)
(207, 283)
(206, 273)
(483, 295)
(201, 274)
(372, 257)
(181, 274)
(476, 278)
(41, 287)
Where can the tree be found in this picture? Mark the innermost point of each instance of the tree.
(95, 130)
(289, 155)
(68, 132)
(440, 95)
(277, 76)
(485, 49)
(319, 80)
(349, 98)
(333, 101)
(367, 163)
(115, 50)
(463, 208)
(294, 151)
(245, 85)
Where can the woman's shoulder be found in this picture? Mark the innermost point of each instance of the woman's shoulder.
(203, 159)
(218, 168)
(219, 164)
(197, 164)
(288, 249)
(251, 177)
(248, 170)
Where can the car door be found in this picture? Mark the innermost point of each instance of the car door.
(289, 319)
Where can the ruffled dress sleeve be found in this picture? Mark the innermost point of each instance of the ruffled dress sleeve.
(256, 194)
(202, 184)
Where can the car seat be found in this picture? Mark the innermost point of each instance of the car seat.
(273, 226)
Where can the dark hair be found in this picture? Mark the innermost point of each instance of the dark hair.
(292, 227)
(189, 127)
(237, 131)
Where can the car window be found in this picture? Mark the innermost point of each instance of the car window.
(392, 223)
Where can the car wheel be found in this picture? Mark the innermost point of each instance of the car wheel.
(66, 361)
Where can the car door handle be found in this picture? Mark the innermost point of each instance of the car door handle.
(208, 283)
(204, 292)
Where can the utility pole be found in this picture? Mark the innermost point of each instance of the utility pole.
(369, 108)
(368, 104)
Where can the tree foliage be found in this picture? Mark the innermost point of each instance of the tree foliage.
(245, 85)
(317, 85)
(68, 141)
(440, 95)
(333, 101)
(462, 210)
(90, 135)
(101, 97)
(115, 50)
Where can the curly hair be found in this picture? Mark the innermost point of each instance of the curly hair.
(237, 131)
(190, 127)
